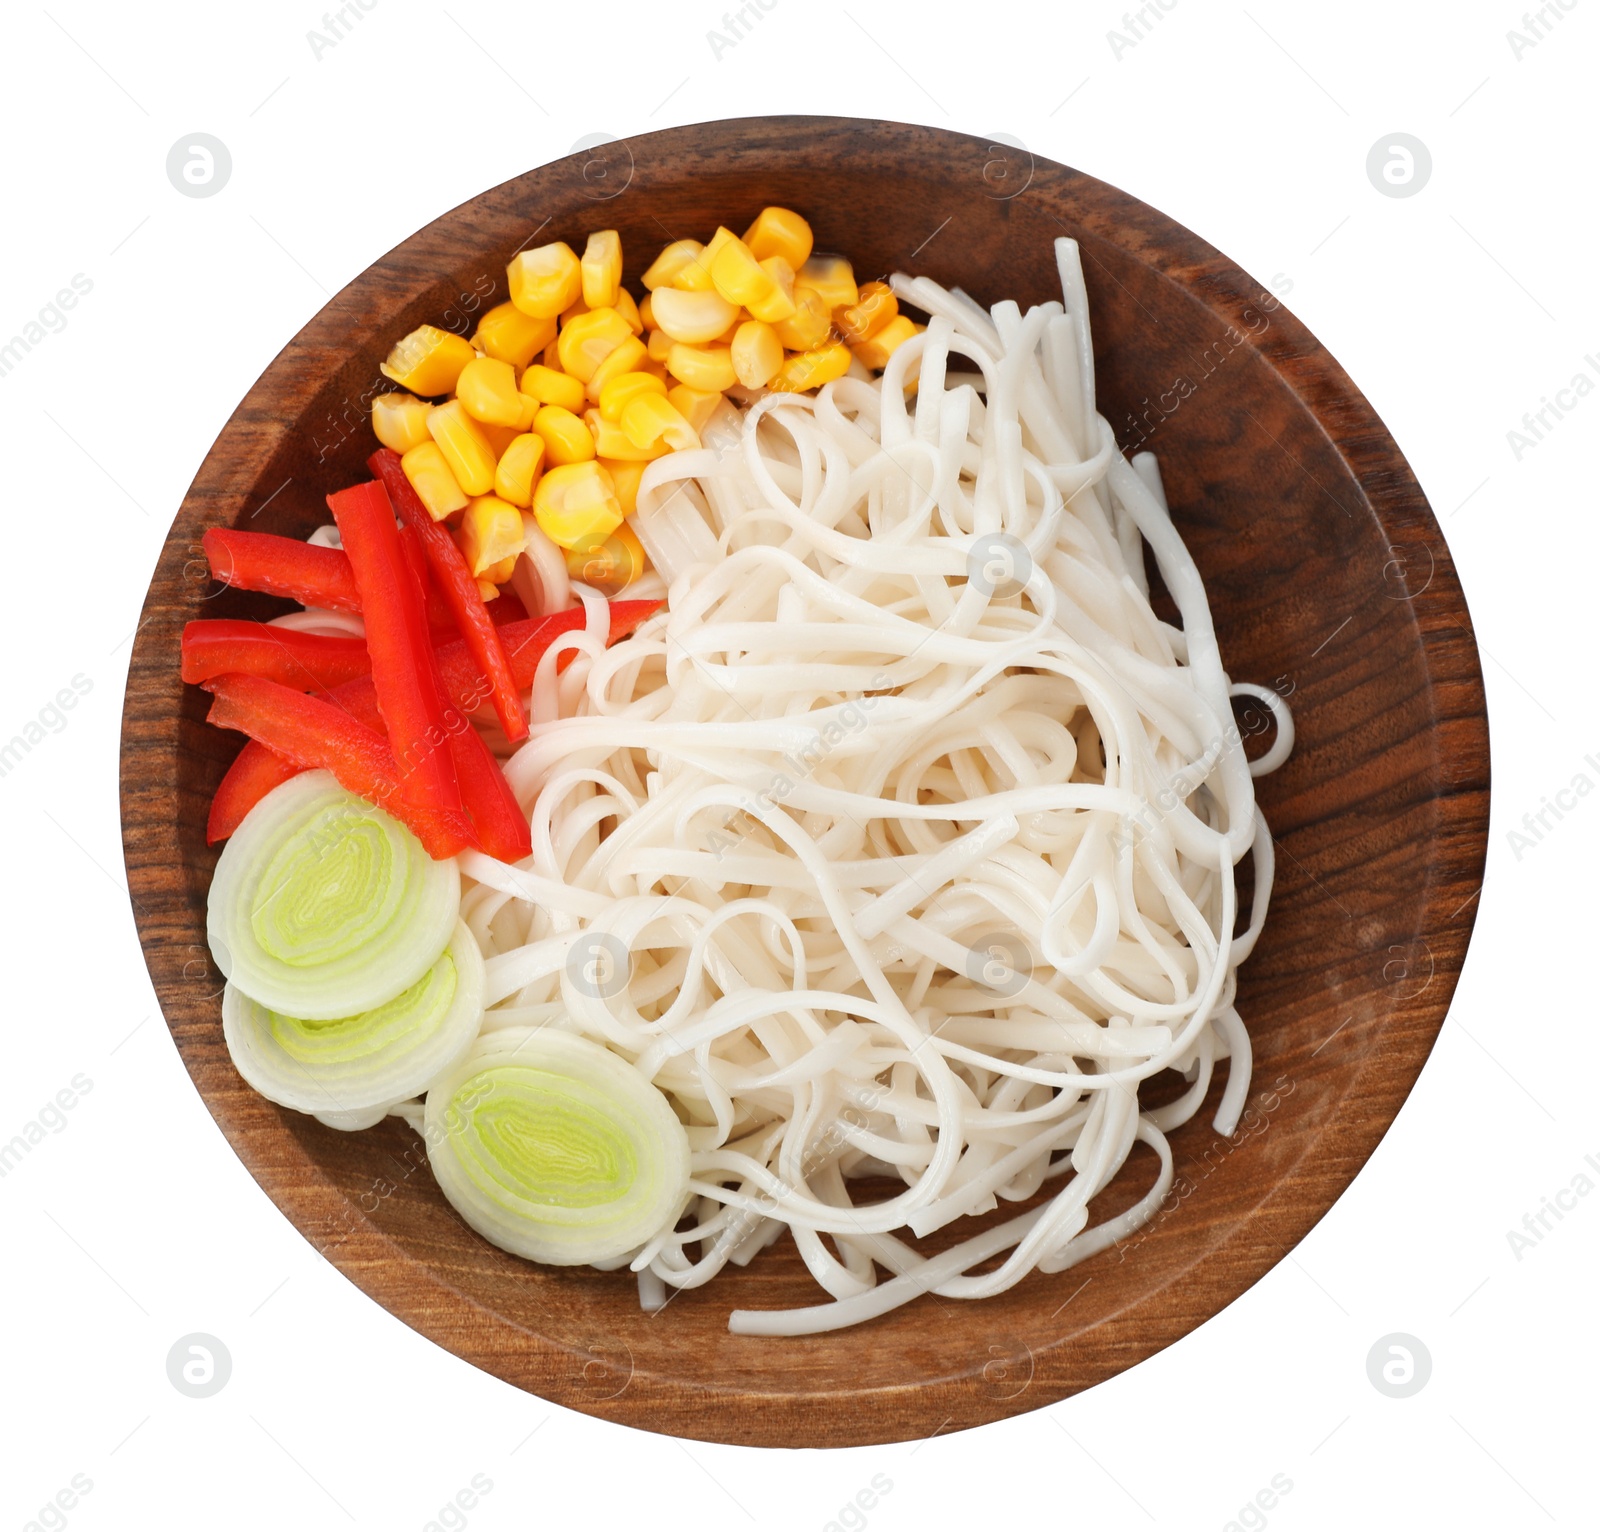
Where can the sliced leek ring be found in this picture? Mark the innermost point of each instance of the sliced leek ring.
(322, 906)
(350, 1071)
(555, 1148)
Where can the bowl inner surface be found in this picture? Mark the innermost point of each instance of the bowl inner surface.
(1329, 580)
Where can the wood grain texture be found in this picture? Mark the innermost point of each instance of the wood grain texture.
(1328, 575)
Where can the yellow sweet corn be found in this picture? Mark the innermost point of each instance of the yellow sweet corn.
(708, 368)
(575, 501)
(501, 437)
(430, 476)
(625, 478)
(509, 335)
(550, 357)
(487, 390)
(777, 231)
(611, 440)
(660, 347)
(491, 530)
(831, 277)
(811, 322)
(875, 351)
(544, 281)
(571, 312)
(601, 269)
(488, 589)
(518, 469)
(589, 339)
(756, 353)
(652, 418)
(673, 258)
(871, 311)
(607, 563)
(654, 368)
(698, 276)
(811, 369)
(464, 445)
(618, 391)
(400, 421)
(646, 312)
(623, 360)
(550, 386)
(566, 438)
(428, 361)
(766, 287)
(694, 404)
(696, 317)
(629, 310)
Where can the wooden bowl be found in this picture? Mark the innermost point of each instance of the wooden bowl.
(1329, 580)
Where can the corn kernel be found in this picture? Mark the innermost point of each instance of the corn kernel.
(488, 589)
(756, 353)
(623, 360)
(625, 478)
(726, 338)
(618, 391)
(660, 347)
(566, 438)
(491, 530)
(550, 386)
(694, 276)
(646, 312)
(812, 320)
(518, 469)
(607, 563)
(831, 277)
(777, 231)
(487, 390)
(509, 335)
(652, 418)
(601, 269)
(696, 317)
(497, 575)
(666, 266)
(430, 476)
(546, 280)
(589, 339)
(695, 405)
(501, 437)
(630, 310)
(464, 445)
(611, 441)
(551, 356)
(867, 315)
(654, 368)
(575, 501)
(875, 351)
(400, 421)
(708, 368)
(530, 408)
(766, 288)
(811, 369)
(428, 360)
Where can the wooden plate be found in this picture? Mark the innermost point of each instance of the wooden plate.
(1329, 580)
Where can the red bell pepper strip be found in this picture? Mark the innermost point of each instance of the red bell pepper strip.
(401, 650)
(312, 733)
(282, 566)
(257, 770)
(460, 591)
(304, 572)
(505, 607)
(306, 661)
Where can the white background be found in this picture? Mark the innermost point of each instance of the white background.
(1456, 310)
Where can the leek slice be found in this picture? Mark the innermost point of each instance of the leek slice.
(322, 906)
(349, 1072)
(555, 1148)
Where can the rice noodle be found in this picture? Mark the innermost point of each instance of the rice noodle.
(916, 823)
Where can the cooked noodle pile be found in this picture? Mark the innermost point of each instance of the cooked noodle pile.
(902, 843)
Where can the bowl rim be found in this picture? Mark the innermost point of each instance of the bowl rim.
(220, 495)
